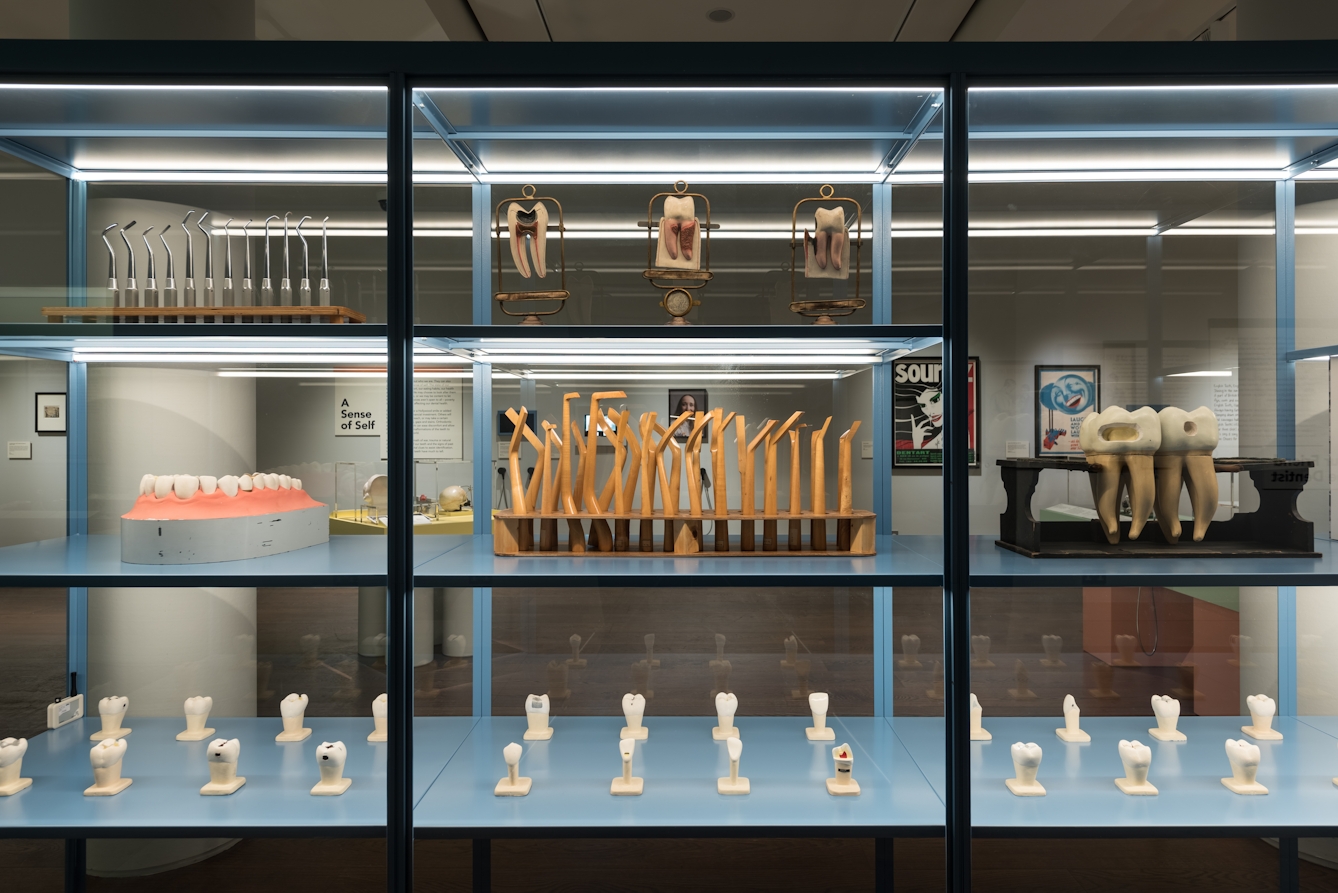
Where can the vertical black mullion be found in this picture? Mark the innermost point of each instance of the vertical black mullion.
(399, 530)
(956, 562)
(76, 865)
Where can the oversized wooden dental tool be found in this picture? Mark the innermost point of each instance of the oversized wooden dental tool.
(286, 283)
(229, 294)
(670, 481)
(650, 461)
(207, 299)
(845, 494)
(770, 482)
(578, 438)
(304, 285)
(600, 533)
(575, 533)
(266, 283)
(817, 470)
(795, 536)
(325, 266)
(694, 462)
(113, 291)
(170, 283)
(549, 491)
(519, 500)
(720, 492)
(748, 478)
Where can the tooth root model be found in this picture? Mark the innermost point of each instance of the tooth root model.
(978, 731)
(980, 652)
(626, 785)
(536, 717)
(1186, 455)
(910, 651)
(843, 784)
(1137, 759)
(11, 766)
(106, 758)
(223, 777)
(576, 660)
(528, 228)
(1244, 759)
(1167, 711)
(293, 709)
(330, 759)
(513, 785)
(112, 710)
(680, 235)
(819, 731)
(1071, 733)
(197, 714)
(1262, 708)
(1026, 763)
(380, 718)
(1022, 679)
(1053, 646)
(726, 704)
(733, 784)
(1123, 445)
(634, 708)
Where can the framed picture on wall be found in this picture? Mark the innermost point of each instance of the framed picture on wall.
(50, 414)
(1065, 395)
(917, 412)
(693, 401)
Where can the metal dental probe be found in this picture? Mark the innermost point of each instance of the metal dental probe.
(188, 294)
(304, 287)
(170, 285)
(207, 299)
(131, 295)
(112, 291)
(229, 297)
(285, 284)
(248, 296)
(325, 266)
(266, 284)
(151, 282)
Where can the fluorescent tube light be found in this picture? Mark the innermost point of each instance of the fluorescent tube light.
(1224, 373)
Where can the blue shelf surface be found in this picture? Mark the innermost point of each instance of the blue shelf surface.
(435, 740)
(900, 560)
(680, 764)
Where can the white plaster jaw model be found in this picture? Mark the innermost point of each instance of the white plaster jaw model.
(1167, 711)
(1071, 733)
(980, 652)
(1122, 443)
(843, 784)
(910, 650)
(330, 759)
(536, 716)
(634, 707)
(223, 777)
(112, 710)
(1262, 708)
(106, 759)
(1186, 455)
(1137, 759)
(534, 225)
(1053, 646)
(726, 704)
(380, 718)
(978, 731)
(1244, 759)
(11, 766)
(197, 714)
(513, 785)
(733, 784)
(293, 709)
(680, 235)
(1026, 763)
(625, 785)
(817, 703)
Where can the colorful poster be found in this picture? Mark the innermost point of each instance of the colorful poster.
(917, 398)
(1065, 395)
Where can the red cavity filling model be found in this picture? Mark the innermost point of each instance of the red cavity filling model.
(219, 505)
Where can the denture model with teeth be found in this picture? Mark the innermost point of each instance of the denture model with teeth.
(11, 766)
(680, 235)
(1123, 445)
(827, 250)
(185, 519)
(197, 714)
(1186, 455)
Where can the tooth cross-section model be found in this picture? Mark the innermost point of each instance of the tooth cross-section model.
(1123, 444)
(1026, 763)
(733, 784)
(978, 731)
(330, 759)
(817, 703)
(380, 718)
(223, 777)
(843, 784)
(185, 519)
(634, 708)
(11, 766)
(1071, 732)
(1137, 758)
(680, 235)
(106, 759)
(197, 714)
(112, 709)
(827, 251)
(626, 785)
(293, 709)
(534, 225)
(536, 715)
(726, 704)
(1187, 443)
(1262, 708)
(1244, 759)
(513, 785)
(1167, 711)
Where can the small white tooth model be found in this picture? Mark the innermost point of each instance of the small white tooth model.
(978, 731)
(380, 718)
(1186, 454)
(223, 777)
(197, 714)
(844, 784)
(576, 661)
(514, 785)
(634, 708)
(1123, 444)
(817, 703)
(726, 705)
(293, 709)
(1262, 708)
(1244, 759)
(733, 784)
(1167, 711)
(980, 652)
(1071, 733)
(11, 766)
(910, 651)
(1137, 759)
(106, 759)
(719, 650)
(1124, 645)
(1053, 646)
(330, 759)
(189, 519)
(791, 652)
(112, 710)
(1026, 763)
(536, 716)
(625, 785)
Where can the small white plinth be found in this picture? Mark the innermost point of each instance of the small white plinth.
(506, 789)
(1105, 695)
(1238, 788)
(299, 735)
(331, 790)
(188, 735)
(1146, 789)
(18, 784)
(909, 664)
(201, 540)
(1173, 735)
(1021, 694)
(1035, 789)
(110, 790)
(116, 733)
(640, 733)
(1078, 737)
(219, 790)
(837, 789)
(541, 734)
(720, 734)
(632, 788)
(725, 786)
(579, 664)
(374, 736)
(1262, 734)
(823, 734)
(1046, 662)
(981, 735)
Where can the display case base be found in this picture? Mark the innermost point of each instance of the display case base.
(1173, 735)
(19, 784)
(837, 789)
(1146, 789)
(632, 788)
(540, 734)
(110, 790)
(725, 786)
(1035, 789)
(823, 734)
(506, 789)
(334, 789)
(222, 790)
(188, 735)
(1252, 789)
(1262, 734)
(1078, 737)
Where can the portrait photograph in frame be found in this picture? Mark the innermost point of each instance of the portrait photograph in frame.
(917, 403)
(688, 400)
(50, 414)
(1065, 395)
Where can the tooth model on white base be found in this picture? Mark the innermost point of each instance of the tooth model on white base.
(1022, 681)
(1262, 708)
(293, 709)
(1122, 443)
(625, 785)
(184, 519)
(791, 644)
(1026, 763)
(843, 784)
(576, 660)
(1137, 759)
(733, 784)
(1186, 459)
(1053, 646)
(106, 759)
(380, 718)
(978, 732)
(726, 704)
(223, 777)
(11, 766)
(980, 652)
(1167, 711)
(1244, 759)
(1124, 647)
(1071, 733)
(330, 758)
(910, 653)
(513, 785)
(197, 714)
(634, 708)
(817, 703)
(112, 710)
(536, 716)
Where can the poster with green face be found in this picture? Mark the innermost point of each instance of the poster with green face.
(918, 412)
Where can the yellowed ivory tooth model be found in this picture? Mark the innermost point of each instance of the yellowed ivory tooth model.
(1137, 759)
(533, 223)
(536, 718)
(1244, 759)
(1262, 708)
(1167, 711)
(1187, 443)
(626, 785)
(380, 718)
(1123, 444)
(112, 709)
(843, 784)
(197, 714)
(293, 709)
(978, 731)
(1071, 732)
(733, 784)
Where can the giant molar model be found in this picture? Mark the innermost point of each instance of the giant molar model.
(189, 519)
(1187, 443)
(1122, 444)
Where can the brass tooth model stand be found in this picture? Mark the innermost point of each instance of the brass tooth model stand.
(515, 236)
(679, 282)
(822, 311)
